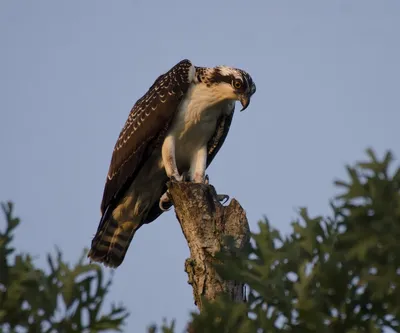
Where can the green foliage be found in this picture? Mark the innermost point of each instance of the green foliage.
(67, 299)
(165, 328)
(331, 274)
(334, 274)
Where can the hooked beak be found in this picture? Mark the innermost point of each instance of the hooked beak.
(245, 97)
(245, 101)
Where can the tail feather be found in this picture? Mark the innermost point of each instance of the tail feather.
(111, 242)
(122, 219)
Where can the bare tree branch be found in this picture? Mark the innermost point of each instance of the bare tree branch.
(205, 222)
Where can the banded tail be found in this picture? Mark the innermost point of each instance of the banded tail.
(112, 240)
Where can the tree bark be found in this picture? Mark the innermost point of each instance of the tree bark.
(205, 222)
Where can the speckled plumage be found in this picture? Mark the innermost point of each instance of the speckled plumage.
(186, 111)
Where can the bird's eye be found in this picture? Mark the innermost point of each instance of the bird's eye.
(237, 84)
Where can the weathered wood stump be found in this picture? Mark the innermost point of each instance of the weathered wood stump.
(205, 222)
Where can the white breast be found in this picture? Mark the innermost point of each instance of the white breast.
(196, 120)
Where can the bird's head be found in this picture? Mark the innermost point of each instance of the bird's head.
(228, 83)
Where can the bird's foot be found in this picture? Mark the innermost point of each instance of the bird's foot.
(223, 198)
(165, 202)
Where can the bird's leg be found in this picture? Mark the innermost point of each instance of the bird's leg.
(198, 165)
(168, 157)
(198, 170)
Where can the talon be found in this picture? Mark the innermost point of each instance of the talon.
(165, 203)
(223, 197)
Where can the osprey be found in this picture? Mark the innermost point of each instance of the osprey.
(173, 131)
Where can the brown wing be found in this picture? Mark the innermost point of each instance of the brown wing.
(218, 139)
(149, 117)
(214, 145)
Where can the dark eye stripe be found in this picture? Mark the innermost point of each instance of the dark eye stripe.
(217, 75)
(247, 82)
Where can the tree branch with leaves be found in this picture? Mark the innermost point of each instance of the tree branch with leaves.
(67, 299)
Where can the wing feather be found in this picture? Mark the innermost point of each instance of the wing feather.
(147, 121)
(218, 139)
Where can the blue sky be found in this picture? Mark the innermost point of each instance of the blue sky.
(327, 75)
